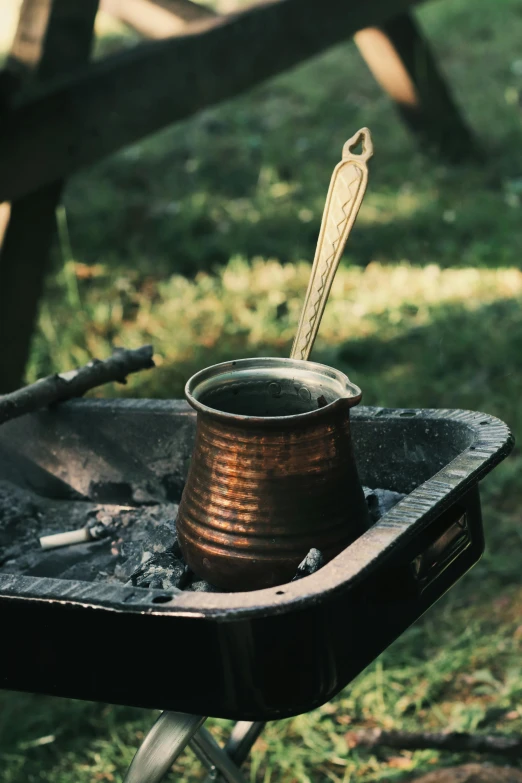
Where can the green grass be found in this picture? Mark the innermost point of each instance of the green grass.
(200, 241)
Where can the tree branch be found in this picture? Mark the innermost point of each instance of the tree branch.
(64, 386)
(456, 742)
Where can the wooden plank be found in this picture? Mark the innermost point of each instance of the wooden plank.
(408, 80)
(28, 223)
(130, 95)
(400, 58)
(26, 49)
(23, 264)
(69, 37)
(157, 18)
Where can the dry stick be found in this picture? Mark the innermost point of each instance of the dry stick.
(64, 386)
(457, 742)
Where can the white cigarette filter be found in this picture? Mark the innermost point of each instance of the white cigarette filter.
(64, 539)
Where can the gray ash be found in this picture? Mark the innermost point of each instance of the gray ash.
(201, 586)
(312, 563)
(125, 537)
(131, 545)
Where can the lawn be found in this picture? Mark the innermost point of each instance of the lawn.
(200, 240)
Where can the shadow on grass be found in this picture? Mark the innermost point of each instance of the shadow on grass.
(250, 177)
(162, 220)
(41, 735)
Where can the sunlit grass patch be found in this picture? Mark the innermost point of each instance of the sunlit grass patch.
(249, 309)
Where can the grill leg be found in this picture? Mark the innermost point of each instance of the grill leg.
(243, 736)
(220, 765)
(171, 734)
(236, 750)
(165, 741)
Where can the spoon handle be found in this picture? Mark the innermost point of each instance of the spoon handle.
(345, 194)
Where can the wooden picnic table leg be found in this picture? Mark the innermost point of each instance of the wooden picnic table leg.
(52, 36)
(400, 59)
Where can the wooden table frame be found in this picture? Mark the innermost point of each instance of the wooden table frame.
(59, 113)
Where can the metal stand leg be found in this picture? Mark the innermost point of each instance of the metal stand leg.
(243, 736)
(159, 750)
(170, 735)
(236, 750)
(220, 765)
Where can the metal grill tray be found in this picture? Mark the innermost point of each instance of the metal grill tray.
(262, 655)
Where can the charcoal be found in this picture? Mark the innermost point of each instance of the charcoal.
(312, 563)
(161, 571)
(98, 530)
(131, 558)
(126, 536)
(19, 519)
(132, 545)
(163, 538)
(380, 501)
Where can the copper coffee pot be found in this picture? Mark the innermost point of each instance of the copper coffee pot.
(273, 472)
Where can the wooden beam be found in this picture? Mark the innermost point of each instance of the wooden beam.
(385, 49)
(28, 223)
(68, 39)
(24, 258)
(26, 49)
(130, 95)
(401, 61)
(157, 18)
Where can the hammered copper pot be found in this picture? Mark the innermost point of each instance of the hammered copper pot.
(273, 472)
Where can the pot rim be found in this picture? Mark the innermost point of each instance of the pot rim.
(352, 394)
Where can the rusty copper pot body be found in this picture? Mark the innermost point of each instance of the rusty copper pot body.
(273, 472)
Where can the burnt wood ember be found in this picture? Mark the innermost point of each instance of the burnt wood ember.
(133, 545)
(162, 571)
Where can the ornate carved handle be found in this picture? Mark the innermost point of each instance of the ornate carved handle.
(345, 194)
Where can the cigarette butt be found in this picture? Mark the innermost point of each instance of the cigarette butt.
(64, 539)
